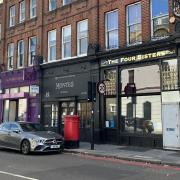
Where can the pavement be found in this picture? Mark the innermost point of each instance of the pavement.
(130, 153)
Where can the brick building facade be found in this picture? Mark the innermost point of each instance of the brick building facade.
(127, 44)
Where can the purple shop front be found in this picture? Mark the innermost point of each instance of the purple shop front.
(19, 98)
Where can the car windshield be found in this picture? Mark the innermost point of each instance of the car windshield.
(31, 127)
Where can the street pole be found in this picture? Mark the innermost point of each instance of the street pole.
(92, 126)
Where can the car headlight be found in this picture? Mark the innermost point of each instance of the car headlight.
(35, 141)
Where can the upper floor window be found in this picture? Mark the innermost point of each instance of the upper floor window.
(134, 29)
(20, 54)
(52, 45)
(82, 37)
(52, 5)
(65, 2)
(160, 18)
(32, 49)
(12, 16)
(112, 38)
(33, 4)
(22, 11)
(66, 41)
(10, 56)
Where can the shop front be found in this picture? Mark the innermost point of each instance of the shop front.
(20, 95)
(136, 87)
(65, 92)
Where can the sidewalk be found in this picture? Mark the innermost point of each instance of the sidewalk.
(155, 156)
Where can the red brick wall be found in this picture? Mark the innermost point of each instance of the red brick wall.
(71, 14)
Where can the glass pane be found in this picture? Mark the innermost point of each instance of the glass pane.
(135, 34)
(142, 116)
(83, 26)
(161, 26)
(146, 79)
(170, 74)
(110, 81)
(112, 20)
(22, 110)
(111, 113)
(134, 14)
(53, 53)
(83, 46)
(67, 50)
(159, 7)
(113, 39)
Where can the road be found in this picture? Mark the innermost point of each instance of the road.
(15, 166)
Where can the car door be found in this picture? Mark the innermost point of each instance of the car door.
(15, 136)
(4, 135)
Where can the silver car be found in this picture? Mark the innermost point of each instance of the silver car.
(29, 137)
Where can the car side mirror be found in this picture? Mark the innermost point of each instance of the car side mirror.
(16, 131)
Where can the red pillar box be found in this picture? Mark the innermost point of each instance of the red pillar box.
(71, 131)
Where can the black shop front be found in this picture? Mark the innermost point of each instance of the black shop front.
(65, 92)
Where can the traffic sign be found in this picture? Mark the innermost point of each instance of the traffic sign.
(101, 88)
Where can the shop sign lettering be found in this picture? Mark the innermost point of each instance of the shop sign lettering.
(139, 57)
(69, 84)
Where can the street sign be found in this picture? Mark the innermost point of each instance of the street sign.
(101, 88)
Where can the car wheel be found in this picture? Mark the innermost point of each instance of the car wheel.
(25, 147)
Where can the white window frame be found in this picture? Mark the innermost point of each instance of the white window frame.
(127, 25)
(50, 7)
(65, 2)
(64, 42)
(152, 18)
(20, 53)
(33, 8)
(12, 16)
(81, 37)
(107, 32)
(10, 56)
(51, 45)
(22, 11)
(30, 60)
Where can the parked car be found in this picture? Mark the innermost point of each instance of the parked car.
(29, 137)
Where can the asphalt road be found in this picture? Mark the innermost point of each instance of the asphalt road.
(15, 166)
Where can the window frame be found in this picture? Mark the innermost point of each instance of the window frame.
(19, 54)
(22, 11)
(50, 8)
(10, 55)
(50, 46)
(65, 42)
(112, 30)
(30, 60)
(32, 7)
(84, 37)
(152, 29)
(12, 16)
(127, 24)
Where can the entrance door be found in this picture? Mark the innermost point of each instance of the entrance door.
(171, 130)
(12, 110)
(66, 108)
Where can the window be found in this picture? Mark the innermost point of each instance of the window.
(112, 38)
(22, 11)
(82, 37)
(52, 5)
(10, 55)
(32, 49)
(20, 54)
(66, 42)
(65, 2)
(54, 115)
(11, 16)
(134, 31)
(52, 45)
(170, 74)
(160, 18)
(111, 113)
(33, 4)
